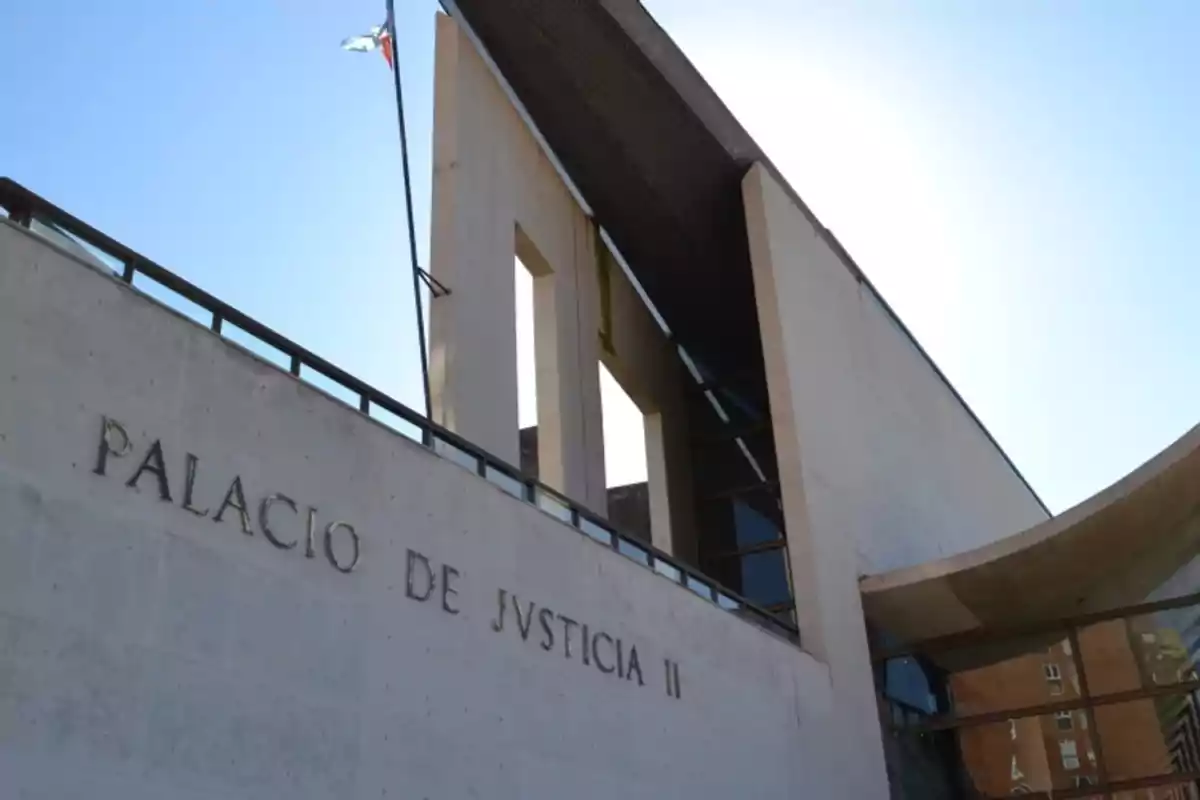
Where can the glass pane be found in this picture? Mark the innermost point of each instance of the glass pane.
(1032, 753)
(171, 299)
(1112, 654)
(454, 453)
(925, 766)
(700, 587)
(78, 247)
(505, 481)
(751, 527)
(1010, 674)
(1183, 714)
(1150, 737)
(1156, 649)
(1168, 790)
(637, 553)
(552, 505)
(255, 345)
(765, 578)
(329, 386)
(914, 686)
(728, 603)
(395, 422)
(596, 531)
(667, 569)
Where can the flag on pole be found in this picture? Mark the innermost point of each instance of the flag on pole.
(379, 38)
(382, 38)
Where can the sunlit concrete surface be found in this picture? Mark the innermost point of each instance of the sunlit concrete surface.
(1111, 550)
(147, 651)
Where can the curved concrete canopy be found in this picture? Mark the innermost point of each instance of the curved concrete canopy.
(1111, 550)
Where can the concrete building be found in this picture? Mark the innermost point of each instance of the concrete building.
(228, 569)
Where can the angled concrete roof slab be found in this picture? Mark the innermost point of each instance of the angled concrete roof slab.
(1114, 549)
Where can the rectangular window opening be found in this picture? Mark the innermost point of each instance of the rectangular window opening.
(527, 394)
(625, 471)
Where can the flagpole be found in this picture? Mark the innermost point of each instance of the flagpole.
(408, 208)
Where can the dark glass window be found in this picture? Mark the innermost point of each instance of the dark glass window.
(1130, 730)
(765, 578)
(908, 681)
(751, 527)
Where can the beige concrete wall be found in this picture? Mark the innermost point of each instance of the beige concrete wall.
(909, 473)
(150, 652)
(645, 364)
(496, 193)
(496, 196)
(880, 465)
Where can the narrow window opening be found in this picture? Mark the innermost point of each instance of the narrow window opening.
(625, 472)
(527, 414)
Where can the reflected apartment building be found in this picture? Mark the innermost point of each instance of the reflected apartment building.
(1104, 702)
(1057, 749)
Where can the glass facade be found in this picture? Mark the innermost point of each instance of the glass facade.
(740, 534)
(765, 576)
(751, 555)
(1106, 706)
(752, 529)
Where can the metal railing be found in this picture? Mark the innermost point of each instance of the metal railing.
(34, 212)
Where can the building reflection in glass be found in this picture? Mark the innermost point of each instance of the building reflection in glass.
(1106, 706)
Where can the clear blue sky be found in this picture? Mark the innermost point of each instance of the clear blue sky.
(1021, 180)
(235, 143)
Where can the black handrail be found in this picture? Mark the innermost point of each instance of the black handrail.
(24, 207)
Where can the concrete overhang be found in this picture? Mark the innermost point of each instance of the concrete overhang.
(652, 150)
(660, 160)
(1112, 550)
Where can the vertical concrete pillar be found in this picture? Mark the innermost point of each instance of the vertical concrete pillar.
(587, 248)
(473, 361)
(496, 197)
(808, 312)
(669, 473)
(645, 364)
(570, 430)
(658, 473)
